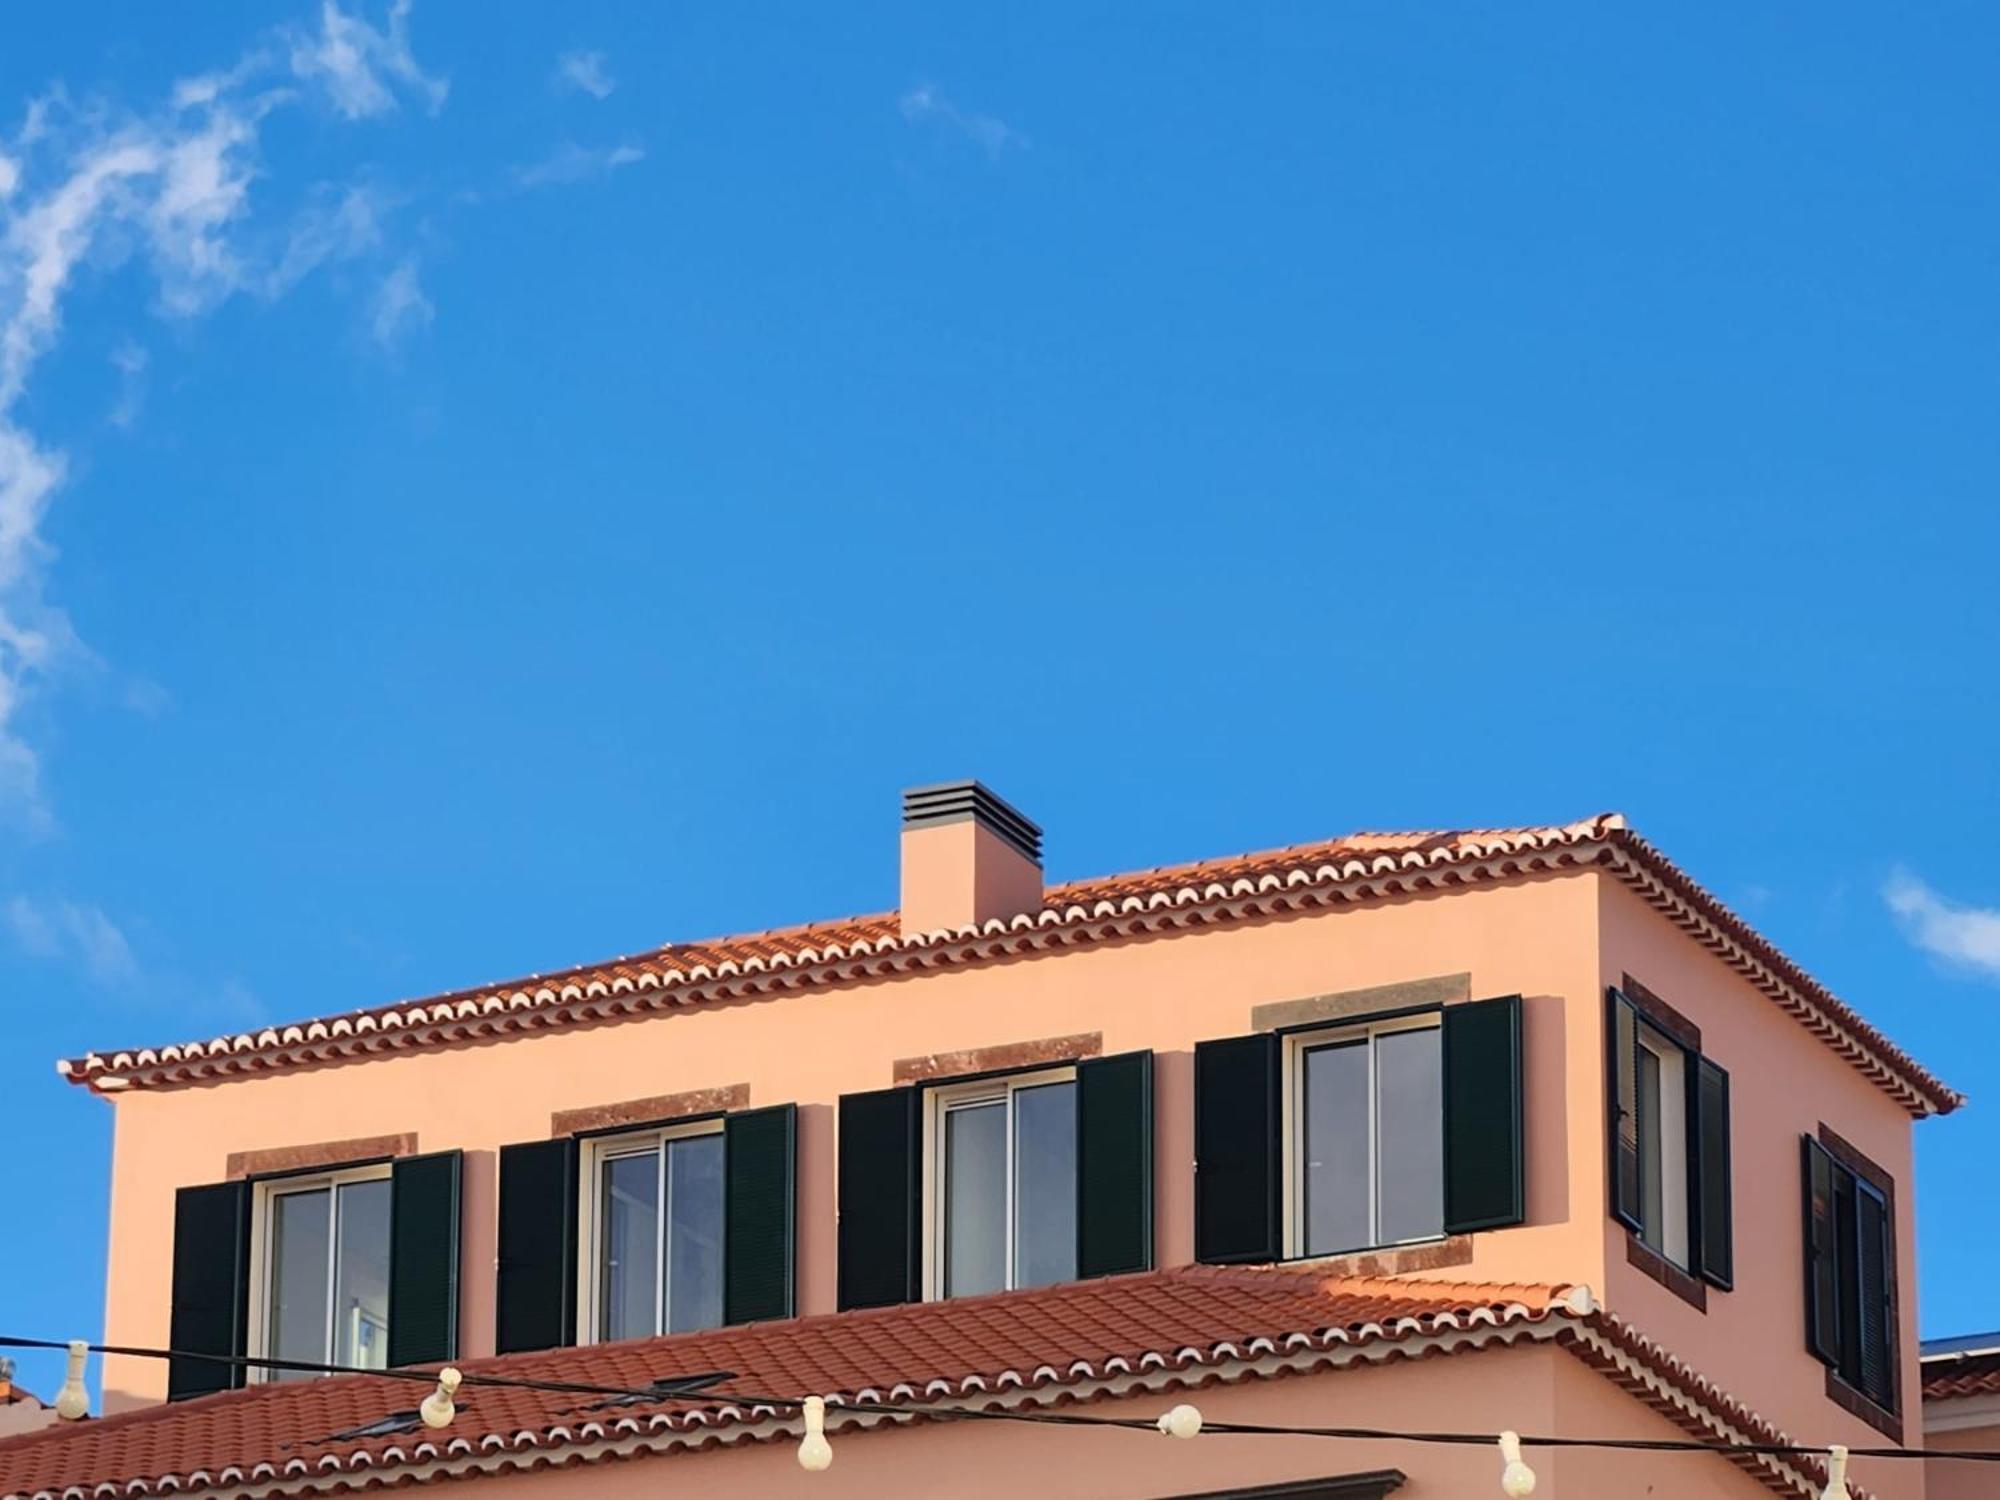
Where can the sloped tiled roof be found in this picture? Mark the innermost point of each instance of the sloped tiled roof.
(1156, 1332)
(1356, 868)
(1975, 1373)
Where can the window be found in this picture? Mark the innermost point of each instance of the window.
(323, 1295)
(1367, 1136)
(1653, 1142)
(1851, 1268)
(1669, 1110)
(654, 1257)
(1002, 1186)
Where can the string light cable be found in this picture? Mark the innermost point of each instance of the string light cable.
(815, 1452)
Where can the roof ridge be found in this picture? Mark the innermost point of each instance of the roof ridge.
(1354, 868)
(1280, 855)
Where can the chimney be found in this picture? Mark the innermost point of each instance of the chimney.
(967, 858)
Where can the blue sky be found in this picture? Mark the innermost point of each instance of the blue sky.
(485, 488)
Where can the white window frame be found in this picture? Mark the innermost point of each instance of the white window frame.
(1292, 1096)
(263, 1220)
(938, 1102)
(1668, 1140)
(592, 1153)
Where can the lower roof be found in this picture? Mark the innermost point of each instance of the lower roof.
(1158, 1331)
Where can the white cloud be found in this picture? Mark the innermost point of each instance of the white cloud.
(172, 188)
(400, 305)
(573, 163)
(1966, 937)
(75, 933)
(361, 68)
(338, 224)
(586, 72)
(927, 103)
(130, 361)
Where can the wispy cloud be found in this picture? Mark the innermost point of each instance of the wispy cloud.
(364, 69)
(130, 361)
(1965, 937)
(570, 162)
(74, 933)
(926, 104)
(585, 72)
(171, 187)
(82, 939)
(400, 305)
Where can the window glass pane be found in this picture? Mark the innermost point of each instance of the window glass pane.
(1044, 1184)
(975, 1192)
(1409, 1135)
(628, 1275)
(1336, 1148)
(1652, 1183)
(694, 1233)
(361, 1275)
(299, 1230)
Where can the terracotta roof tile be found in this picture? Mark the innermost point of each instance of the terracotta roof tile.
(1972, 1374)
(1356, 867)
(1184, 1320)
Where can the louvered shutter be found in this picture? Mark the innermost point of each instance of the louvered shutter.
(1114, 1164)
(760, 1149)
(880, 1158)
(537, 1246)
(1236, 1150)
(1822, 1245)
(211, 1280)
(1875, 1330)
(1484, 1180)
(1622, 1030)
(1715, 1241)
(423, 1258)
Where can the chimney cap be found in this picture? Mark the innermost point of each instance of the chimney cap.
(959, 801)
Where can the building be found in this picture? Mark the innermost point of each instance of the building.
(1961, 1411)
(1310, 1113)
(19, 1410)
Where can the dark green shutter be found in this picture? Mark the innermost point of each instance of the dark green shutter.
(1822, 1243)
(1236, 1150)
(1622, 1101)
(423, 1258)
(536, 1300)
(1874, 1297)
(880, 1158)
(759, 1150)
(1114, 1164)
(1484, 1179)
(211, 1286)
(1715, 1246)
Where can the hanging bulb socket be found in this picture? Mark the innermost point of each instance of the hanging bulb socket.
(1836, 1473)
(1516, 1478)
(439, 1407)
(73, 1401)
(1182, 1421)
(815, 1452)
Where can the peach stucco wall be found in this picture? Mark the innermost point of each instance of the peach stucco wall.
(1165, 993)
(1948, 1480)
(1529, 1389)
(1783, 1084)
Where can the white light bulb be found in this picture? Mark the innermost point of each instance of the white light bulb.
(73, 1401)
(438, 1408)
(1836, 1474)
(1516, 1478)
(1182, 1421)
(815, 1452)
